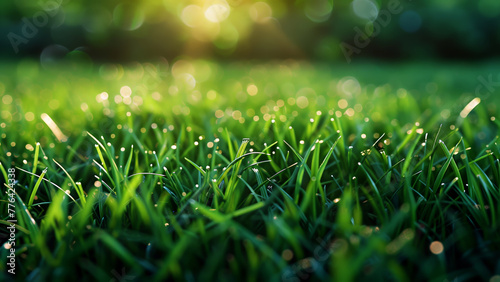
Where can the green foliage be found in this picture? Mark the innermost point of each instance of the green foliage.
(132, 30)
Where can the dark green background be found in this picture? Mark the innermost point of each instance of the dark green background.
(450, 29)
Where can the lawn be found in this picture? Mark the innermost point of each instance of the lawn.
(282, 171)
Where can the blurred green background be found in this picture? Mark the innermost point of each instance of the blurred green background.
(113, 30)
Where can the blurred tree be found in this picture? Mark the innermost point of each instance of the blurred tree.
(132, 30)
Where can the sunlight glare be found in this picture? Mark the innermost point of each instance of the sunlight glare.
(217, 11)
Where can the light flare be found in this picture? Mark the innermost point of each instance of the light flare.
(54, 128)
(472, 104)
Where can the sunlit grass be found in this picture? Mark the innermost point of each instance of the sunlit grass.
(282, 171)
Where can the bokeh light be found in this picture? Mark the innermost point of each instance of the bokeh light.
(261, 12)
(216, 10)
(365, 9)
(318, 10)
(410, 21)
(52, 55)
(436, 247)
(128, 16)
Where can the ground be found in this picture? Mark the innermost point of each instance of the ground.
(288, 170)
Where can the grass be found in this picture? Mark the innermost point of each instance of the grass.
(281, 171)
